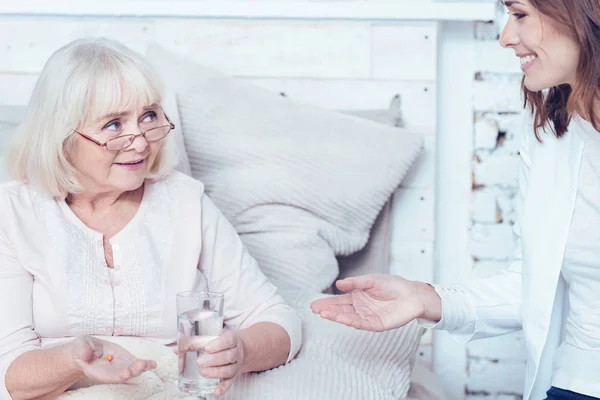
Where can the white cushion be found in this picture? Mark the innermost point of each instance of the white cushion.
(6, 132)
(337, 362)
(300, 184)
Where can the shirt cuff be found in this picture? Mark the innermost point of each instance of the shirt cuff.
(458, 315)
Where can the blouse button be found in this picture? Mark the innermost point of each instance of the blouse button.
(119, 304)
(117, 267)
(106, 282)
(115, 247)
(117, 283)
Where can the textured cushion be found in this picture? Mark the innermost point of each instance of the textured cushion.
(374, 257)
(335, 363)
(9, 118)
(300, 184)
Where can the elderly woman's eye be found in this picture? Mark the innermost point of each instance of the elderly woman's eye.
(113, 126)
(149, 117)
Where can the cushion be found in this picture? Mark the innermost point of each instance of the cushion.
(334, 363)
(9, 119)
(374, 257)
(300, 184)
(337, 362)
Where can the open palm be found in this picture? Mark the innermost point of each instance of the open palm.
(372, 302)
(106, 362)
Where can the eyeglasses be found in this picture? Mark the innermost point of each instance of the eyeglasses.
(124, 141)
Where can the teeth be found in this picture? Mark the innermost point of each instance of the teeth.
(526, 59)
(131, 163)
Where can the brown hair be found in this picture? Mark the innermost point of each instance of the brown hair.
(582, 18)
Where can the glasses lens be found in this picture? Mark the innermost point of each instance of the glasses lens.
(157, 133)
(119, 143)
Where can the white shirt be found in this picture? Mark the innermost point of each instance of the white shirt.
(55, 285)
(577, 360)
(531, 294)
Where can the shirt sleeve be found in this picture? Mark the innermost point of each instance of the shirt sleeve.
(489, 307)
(458, 314)
(17, 335)
(249, 297)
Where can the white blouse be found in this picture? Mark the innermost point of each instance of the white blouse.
(578, 359)
(55, 284)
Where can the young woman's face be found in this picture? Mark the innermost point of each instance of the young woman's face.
(549, 55)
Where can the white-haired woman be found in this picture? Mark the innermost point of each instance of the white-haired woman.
(98, 234)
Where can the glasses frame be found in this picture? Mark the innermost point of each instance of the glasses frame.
(134, 136)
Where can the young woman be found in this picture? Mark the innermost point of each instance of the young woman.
(552, 289)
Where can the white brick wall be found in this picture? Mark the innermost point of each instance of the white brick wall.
(496, 367)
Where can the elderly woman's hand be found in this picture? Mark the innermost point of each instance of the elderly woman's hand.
(106, 362)
(223, 358)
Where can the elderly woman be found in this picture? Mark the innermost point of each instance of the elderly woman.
(98, 234)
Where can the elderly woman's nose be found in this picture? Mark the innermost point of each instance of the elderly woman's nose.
(139, 143)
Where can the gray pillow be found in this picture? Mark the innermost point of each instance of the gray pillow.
(300, 184)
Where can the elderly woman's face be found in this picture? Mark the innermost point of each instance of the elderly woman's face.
(103, 170)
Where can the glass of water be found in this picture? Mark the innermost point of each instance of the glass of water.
(199, 320)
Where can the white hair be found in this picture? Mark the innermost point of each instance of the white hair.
(87, 78)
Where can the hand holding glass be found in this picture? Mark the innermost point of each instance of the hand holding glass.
(200, 320)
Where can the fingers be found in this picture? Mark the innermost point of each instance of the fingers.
(327, 302)
(223, 372)
(226, 341)
(223, 387)
(140, 366)
(351, 319)
(217, 359)
(364, 282)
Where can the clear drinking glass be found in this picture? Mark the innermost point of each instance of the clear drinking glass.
(199, 320)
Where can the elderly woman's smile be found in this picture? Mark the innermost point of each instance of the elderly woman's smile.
(131, 165)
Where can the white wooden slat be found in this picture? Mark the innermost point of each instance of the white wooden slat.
(15, 89)
(269, 48)
(427, 338)
(38, 38)
(406, 51)
(411, 259)
(418, 98)
(413, 217)
(243, 48)
(422, 173)
(418, 109)
(425, 355)
(345, 10)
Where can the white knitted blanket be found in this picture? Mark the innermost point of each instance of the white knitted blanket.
(335, 362)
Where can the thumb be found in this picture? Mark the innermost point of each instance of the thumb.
(364, 282)
(90, 349)
(87, 349)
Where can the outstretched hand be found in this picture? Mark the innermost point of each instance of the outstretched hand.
(106, 362)
(374, 302)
